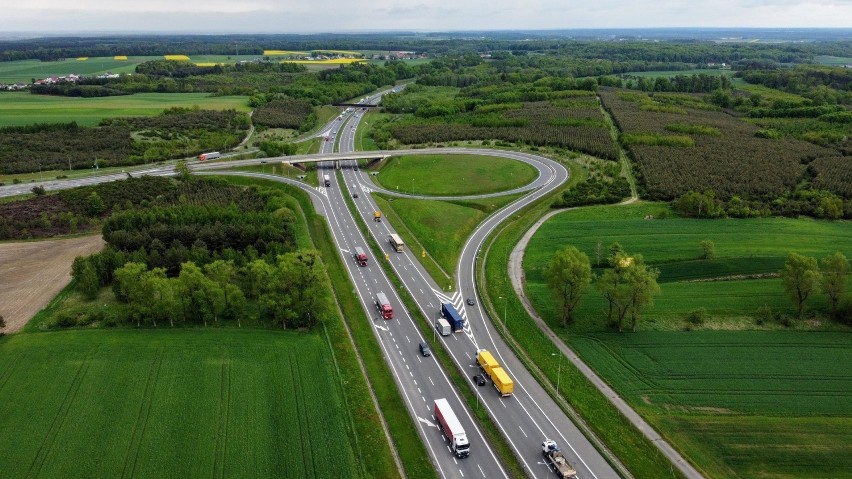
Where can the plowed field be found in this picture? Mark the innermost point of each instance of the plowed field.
(32, 273)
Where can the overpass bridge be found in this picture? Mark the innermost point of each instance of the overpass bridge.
(356, 105)
(335, 157)
(312, 158)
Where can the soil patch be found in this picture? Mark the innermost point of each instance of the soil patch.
(33, 272)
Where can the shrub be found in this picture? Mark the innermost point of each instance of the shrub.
(696, 317)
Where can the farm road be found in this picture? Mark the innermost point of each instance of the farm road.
(32, 273)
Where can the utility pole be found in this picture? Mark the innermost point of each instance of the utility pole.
(505, 300)
(558, 371)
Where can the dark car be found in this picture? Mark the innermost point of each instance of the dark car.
(479, 379)
(470, 301)
(355, 195)
(424, 350)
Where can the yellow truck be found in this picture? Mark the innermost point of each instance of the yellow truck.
(504, 384)
(377, 216)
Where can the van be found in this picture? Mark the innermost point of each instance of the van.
(443, 327)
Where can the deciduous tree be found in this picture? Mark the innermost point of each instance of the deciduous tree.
(568, 275)
(708, 249)
(834, 270)
(801, 278)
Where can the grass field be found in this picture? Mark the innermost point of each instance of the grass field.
(832, 61)
(740, 404)
(743, 247)
(179, 403)
(440, 227)
(18, 108)
(454, 174)
(25, 70)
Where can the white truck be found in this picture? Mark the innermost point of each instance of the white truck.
(326, 180)
(443, 327)
(554, 457)
(396, 242)
(209, 156)
(452, 428)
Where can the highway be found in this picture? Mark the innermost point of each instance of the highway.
(527, 417)
(530, 415)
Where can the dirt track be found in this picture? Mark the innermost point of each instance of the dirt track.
(32, 273)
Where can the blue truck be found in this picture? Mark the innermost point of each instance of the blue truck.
(449, 312)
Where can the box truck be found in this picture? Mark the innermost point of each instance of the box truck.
(499, 377)
(452, 428)
(396, 242)
(383, 306)
(326, 180)
(443, 327)
(449, 312)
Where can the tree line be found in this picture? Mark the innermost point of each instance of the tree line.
(629, 285)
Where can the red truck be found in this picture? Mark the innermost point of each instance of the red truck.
(360, 256)
(383, 305)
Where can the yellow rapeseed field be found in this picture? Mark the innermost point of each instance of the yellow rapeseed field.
(182, 58)
(208, 64)
(120, 57)
(82, 59)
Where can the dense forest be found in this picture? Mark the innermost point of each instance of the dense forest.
(202, 251)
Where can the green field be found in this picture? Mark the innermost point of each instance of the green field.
(739, 404)
(26, 70)
(19, 108)
(832, 61)
(440, 227)
(172, 403)
(437, 175)
(744, 247)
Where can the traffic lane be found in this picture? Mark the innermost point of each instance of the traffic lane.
(402, 365)
(396, 356)
(544, 407)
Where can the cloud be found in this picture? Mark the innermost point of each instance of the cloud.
(290, 16)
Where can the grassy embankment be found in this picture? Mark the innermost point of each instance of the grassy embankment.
(440, 228)
(737, 403)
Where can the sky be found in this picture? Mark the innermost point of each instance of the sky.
(320, 16)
